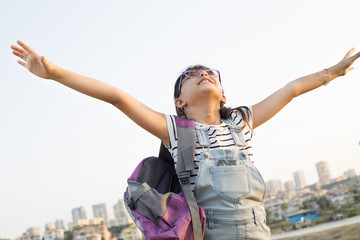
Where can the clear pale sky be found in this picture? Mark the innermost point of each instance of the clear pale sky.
(60, 149)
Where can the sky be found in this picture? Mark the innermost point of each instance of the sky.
(60, 149)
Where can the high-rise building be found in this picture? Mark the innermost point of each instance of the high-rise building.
(323, 172)
(49, 226)
(274, 186)
(59, 224)
(299, 179)
(99, 211)
(78, 214)
(121, 213)
(350, 173)
(289, 186)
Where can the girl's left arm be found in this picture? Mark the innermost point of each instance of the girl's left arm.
(271, 105)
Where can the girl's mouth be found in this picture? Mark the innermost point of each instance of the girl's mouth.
(205, 80)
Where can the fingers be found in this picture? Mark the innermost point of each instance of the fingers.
(44, 61)
(350, 52)
(18, 49)
(19, 55)
(24, 64)
(356, 56)
(19, 52)
(351, 58)
(24, 46)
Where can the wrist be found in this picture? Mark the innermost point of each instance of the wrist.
(328, 74)
(325, 76)
(55, 72)
(335, 71)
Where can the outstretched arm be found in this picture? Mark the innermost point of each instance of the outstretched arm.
(270, 106)
(152, 121)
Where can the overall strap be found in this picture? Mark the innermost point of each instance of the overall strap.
(203, 137)
(185, 164)
(235, 132)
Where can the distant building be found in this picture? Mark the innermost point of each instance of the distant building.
(88, 236)
(289, 186)
(100, 211)
(115, 222)
(337, 197)
(274, 186)
(295, 204)
(33, 230)
(78, 214)
(315, 187)
(338, 179)
(303, 216)
(54, 234)
(79, 223)
(121, 213)
(32, 233)
(299, 179)
(92, 232)
(49, 226)
(350, 173)
(273, 205)
(323, 172)
(96, 221)
(59, 224)
(131, 233)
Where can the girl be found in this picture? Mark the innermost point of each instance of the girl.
(225, 182)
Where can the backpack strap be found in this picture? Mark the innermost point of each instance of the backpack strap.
(185, 164)
(137, 194)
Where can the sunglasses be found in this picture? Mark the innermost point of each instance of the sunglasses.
(196, 73)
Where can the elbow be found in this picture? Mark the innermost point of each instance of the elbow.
(116, 104)
(293, 89)
(117, 99)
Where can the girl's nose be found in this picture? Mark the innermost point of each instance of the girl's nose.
(204, 73)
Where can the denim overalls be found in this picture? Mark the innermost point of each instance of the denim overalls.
(230, 189)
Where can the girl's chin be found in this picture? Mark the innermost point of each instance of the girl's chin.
(208, 93)
(209, 87)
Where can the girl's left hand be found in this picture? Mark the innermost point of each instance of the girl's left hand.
(344, 66)
(35, 63)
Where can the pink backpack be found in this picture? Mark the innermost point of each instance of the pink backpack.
(159, 198)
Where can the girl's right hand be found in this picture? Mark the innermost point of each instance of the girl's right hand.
(31, 60)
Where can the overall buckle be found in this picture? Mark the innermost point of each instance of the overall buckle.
(184, 177)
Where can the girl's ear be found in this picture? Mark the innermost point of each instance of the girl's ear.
(180, 103)
(222, 101)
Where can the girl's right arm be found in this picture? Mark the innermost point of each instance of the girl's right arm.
(150, 120)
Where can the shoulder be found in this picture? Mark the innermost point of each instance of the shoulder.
(171, 126)
(171, 120)
(241, 115)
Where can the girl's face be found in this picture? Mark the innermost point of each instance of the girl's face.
(202, 83)
(193, 73)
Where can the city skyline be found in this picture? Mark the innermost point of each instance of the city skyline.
(302, 183)
(61, 149)
(80, 213)
(119, 210)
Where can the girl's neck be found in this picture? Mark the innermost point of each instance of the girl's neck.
(204, 115)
